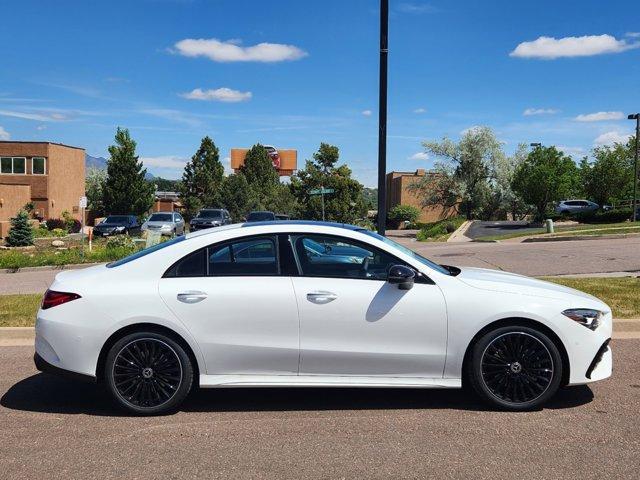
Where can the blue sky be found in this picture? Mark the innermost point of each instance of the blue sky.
(295, 73)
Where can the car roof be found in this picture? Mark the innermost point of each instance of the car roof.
(292, 223)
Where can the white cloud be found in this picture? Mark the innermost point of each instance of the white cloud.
(599, 116)
(218, 95)
(609, 138)
(416, 8)
(53, 117)
(4, 135)
(632, 34)
(231, 51)
(367, 113)
(588, 45)
(226, 163)
(540, 111)
(578, 151)
(419, 110)
(419, 156)
(167, 161)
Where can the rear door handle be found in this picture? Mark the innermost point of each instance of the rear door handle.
(321, 296)
(191, 296)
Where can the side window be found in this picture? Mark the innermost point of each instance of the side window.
(193, 265)
(255, 256)
(328, 256)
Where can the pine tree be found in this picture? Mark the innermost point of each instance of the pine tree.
(262, 178)
(125, 190)
(21, 234)
(202, 178)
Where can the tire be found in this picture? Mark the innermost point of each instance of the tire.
(148, 373)
(514, 368)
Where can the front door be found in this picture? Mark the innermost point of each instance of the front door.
(352, 322)
(242, 313)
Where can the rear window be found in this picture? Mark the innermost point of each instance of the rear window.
(145, 252)
(210, 214)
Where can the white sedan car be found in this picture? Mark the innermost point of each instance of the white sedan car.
(314, 305)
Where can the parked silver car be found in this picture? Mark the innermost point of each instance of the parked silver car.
(576, 206)
(167, 223)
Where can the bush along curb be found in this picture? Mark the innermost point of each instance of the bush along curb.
(44, 268)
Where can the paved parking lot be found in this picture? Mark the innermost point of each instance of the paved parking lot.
(55, 428)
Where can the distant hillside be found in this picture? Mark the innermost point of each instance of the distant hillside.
(101, 163)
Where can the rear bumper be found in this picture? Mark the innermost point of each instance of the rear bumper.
(44, 366)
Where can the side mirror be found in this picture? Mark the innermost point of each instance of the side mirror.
(402, 276)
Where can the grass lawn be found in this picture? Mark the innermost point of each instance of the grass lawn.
(437, 231)
(621, 294)
(19, 310)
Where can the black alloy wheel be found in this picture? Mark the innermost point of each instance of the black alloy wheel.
(148, 373)
(516, 368)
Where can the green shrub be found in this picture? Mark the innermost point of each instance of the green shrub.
(120, 242)
(365, 223)
(439, 229)
(450, 227)
(59, 232)
(404, 213)
(54, 223)
(21, 233)
(610, 216)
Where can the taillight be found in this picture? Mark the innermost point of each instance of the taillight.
(53, 298)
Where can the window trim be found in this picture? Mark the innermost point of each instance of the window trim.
(13, 168)
(419, 278)
(44, 159)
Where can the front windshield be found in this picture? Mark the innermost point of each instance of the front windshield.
(210, 214)
(116, 219)
(160, 217)
(408, 251)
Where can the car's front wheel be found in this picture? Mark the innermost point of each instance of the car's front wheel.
(515, 368)
(148, 373)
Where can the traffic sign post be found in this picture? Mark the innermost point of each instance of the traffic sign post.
(322, 192)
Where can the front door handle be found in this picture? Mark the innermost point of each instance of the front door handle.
(191, 296)
(321, 296)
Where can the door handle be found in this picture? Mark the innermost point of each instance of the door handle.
(191, 296)
(321, 296)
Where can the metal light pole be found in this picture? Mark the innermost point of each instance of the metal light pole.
(636, 117)
(382, 117)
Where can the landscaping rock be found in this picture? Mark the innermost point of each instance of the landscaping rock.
(57, 243)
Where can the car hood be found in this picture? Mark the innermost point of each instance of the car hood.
(506, 282)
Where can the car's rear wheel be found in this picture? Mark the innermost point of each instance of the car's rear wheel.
(515, 368)
(148, 373)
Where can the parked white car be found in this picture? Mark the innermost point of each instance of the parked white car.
(576, 206)
(314, 304)
(167, 223)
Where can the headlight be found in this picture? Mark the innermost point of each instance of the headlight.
(119, 229)
(584, 316)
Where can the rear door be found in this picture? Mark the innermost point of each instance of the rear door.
(238, 306)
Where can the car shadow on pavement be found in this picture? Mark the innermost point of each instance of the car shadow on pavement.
(49, 394)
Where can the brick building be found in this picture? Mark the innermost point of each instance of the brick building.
(398, 194)
(50, 175)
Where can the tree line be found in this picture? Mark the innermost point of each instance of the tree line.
(123, 189)
(475, 177)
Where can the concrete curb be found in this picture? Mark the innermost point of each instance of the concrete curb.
(24, 336)
(568, 238)
(44, 268)
(459, 234)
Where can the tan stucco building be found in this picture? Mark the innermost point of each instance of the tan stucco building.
(398, 194)
(50, 175)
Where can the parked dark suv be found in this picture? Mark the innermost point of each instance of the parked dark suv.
(117, 224)
(210, 217)
(261, 217)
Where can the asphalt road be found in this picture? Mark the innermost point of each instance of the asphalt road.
(480, 229)
(55, 428)
(549, 258)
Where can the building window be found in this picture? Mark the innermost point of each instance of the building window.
(15, 165)
(38, 165)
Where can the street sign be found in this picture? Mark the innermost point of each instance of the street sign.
(321, 191)
(83, 202)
